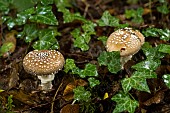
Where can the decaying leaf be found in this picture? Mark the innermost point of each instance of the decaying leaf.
(68, 91)
(9, 78)
(9, 44)
(69, 108)
(24, 98)
(13, 80)
(157, 98)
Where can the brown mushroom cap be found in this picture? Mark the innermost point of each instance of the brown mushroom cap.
(127, 41)
(43, 62)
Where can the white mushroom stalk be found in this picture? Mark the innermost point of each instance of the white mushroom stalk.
(127, 41)
(44, 64)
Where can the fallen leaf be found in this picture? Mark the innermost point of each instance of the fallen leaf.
(157, 98)
(68, 91)
(69, 108)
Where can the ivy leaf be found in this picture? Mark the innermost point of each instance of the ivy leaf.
(4, 6)
(163, 9)
(124, 103)
(152, 52)
(103, 39)
(90, 70)
(62, 3)
(21, 5)
(138, 81)
(108, 20)
(153, 32)
(81, 94)
(136, 15)
(110, 59)
(69, 17)
(148, 64)
(164, 48)
(88, 28)
(46, 2)
(164, 34)
(166, 79)
(81, 40)
(93, 82)
(46, 39)
(23, 16)
(71, 66)
(43, 45)
(44, 14)
(30, 33)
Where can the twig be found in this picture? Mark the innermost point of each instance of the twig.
(52, 104)
(86, 8)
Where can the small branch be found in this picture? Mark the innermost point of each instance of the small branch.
(52, 104)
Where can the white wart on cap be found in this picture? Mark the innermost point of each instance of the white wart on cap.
(127, 41)
(43, 62)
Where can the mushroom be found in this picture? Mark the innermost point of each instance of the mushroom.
(127, 41)
(44, 64)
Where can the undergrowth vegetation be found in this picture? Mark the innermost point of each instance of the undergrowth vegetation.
(40, 24)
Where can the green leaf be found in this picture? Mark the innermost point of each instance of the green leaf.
(108, 20)
(90, 70)
(46, 39)
(163, 9)
(62, 3)
(164, 48)
(80, 94)
(46, 2)
(164, 34)
(44, 45)
(23, 16)
(10, 22)
(103, 39)
(22, 5)
(6, 47)
(136, 15)
(110, 59)
(93, 82)
(124, 103)
(4, 6)
(153, 32)
(80, 41)
(69, 17)
(166, 79)
(137, 81)
(29, 33)
(88, 28)
(44, 15)
(152, 53)
(148, 64)
(130, 13)
(71, 66)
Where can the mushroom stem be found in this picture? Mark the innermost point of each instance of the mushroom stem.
(124, 59)
(46, 81)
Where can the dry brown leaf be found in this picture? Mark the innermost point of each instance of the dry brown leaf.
(24, 98)
(146, 11)
(68, 91)
(157, 98)
(69, 108)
